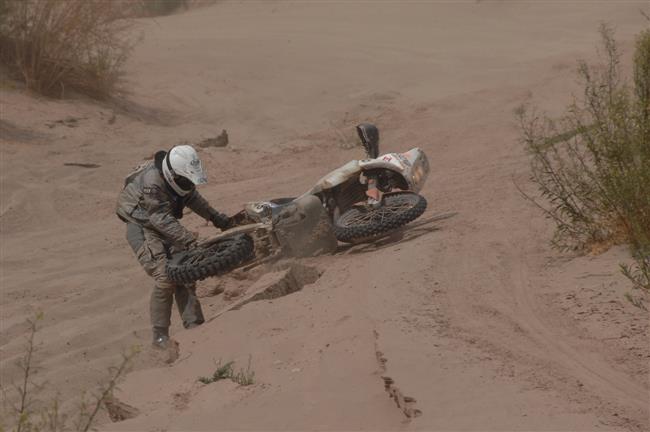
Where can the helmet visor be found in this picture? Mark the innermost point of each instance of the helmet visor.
(184, 183)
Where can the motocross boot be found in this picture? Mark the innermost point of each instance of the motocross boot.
(160, 338)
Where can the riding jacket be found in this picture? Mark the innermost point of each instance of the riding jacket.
(148, 201)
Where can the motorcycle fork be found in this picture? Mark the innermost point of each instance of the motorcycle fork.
(373, 193)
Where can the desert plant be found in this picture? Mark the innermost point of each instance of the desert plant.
(636, 301)
(592, 165)
(244, 377)
(30, 414)
(24, 418)
(161, 7)
(4, 10)
(222, 372)
(88, 410)
(60, 45)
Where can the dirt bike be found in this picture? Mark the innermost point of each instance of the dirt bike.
(359, 202)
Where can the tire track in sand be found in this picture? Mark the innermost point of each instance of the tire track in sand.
(405, 403)
(589, 370)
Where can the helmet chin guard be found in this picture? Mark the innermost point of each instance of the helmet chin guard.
(169, 178)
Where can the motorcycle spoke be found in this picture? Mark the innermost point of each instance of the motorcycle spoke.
(370, 216)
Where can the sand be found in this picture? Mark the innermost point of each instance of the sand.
(474, 317)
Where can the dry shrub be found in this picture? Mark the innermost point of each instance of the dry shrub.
(160, 7)
(592, 165)
(60, 45)
(153, 8)
(27, 412)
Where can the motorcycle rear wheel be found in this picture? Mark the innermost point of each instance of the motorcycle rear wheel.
(362, 223)
(212, 260)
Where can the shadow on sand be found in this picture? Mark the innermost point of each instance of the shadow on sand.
(405, 234)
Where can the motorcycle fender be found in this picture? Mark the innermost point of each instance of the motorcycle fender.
(337, 177)
(413, 166)
(389, 161)
(392, 161)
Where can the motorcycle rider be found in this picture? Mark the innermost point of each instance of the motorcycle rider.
(151, 203)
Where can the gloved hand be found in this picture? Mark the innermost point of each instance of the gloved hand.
(221, 221)
(192, 242)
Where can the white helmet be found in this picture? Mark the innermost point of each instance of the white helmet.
(183, 170)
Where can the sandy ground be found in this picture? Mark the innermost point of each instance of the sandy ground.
(475, 318)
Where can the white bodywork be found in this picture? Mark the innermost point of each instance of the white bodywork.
(413, 166)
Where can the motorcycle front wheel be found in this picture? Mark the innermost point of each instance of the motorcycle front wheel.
(363, 223)
(213, 260)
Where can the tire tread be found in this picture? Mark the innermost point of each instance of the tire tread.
(241, 249)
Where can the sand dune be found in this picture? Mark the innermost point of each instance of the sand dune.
(475, 317)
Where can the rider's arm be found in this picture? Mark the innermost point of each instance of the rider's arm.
(161, 218)
(200, 206)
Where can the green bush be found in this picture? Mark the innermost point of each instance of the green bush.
(161, 7)
(60, 45)
(244, 377)
(592, 165)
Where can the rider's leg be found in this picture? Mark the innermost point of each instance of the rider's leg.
(188, 305)
(151, 252)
